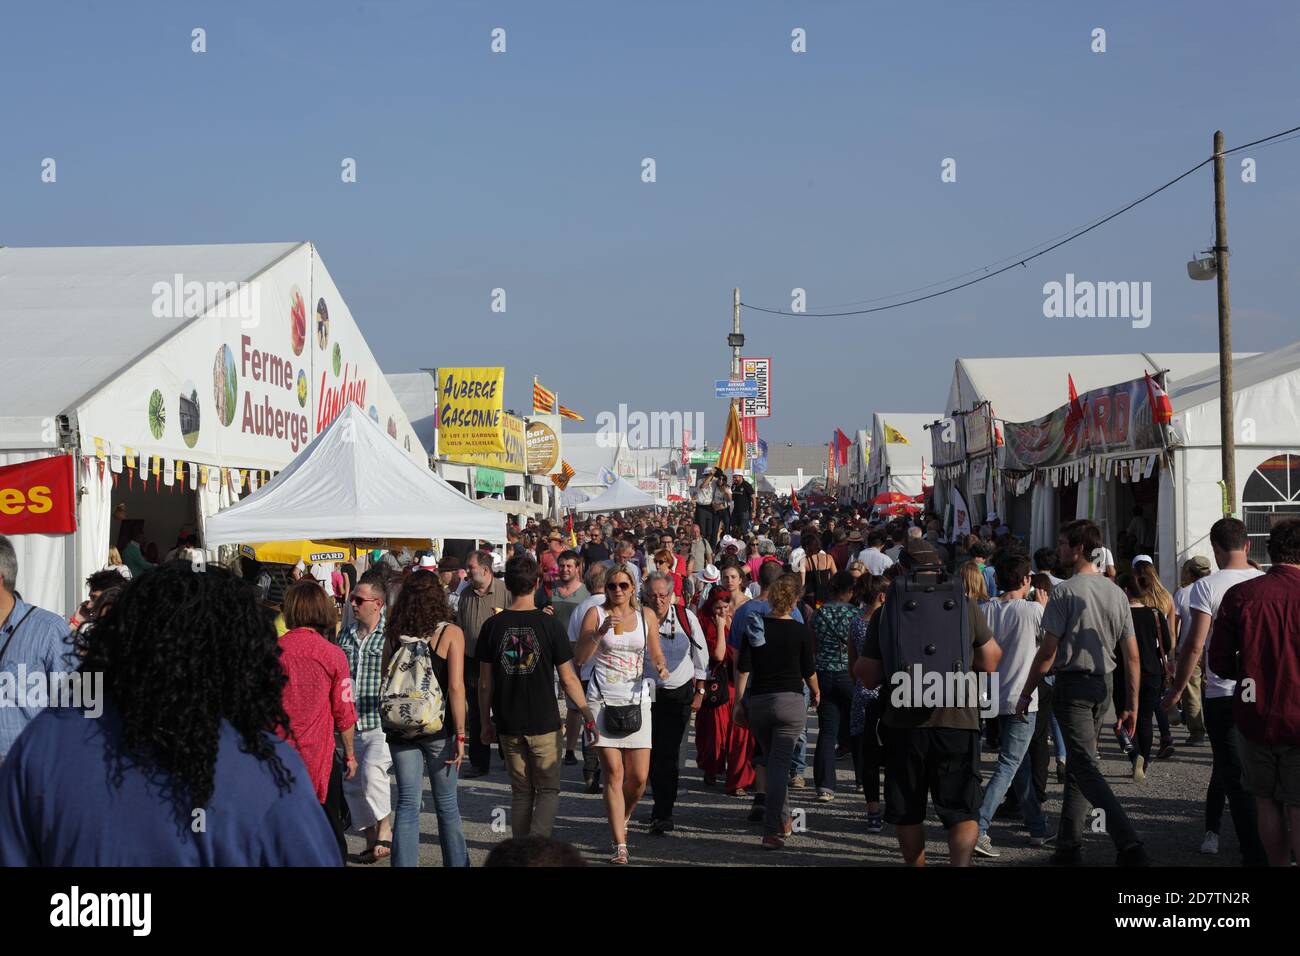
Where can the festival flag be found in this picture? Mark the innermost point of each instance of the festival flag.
(733, 444)
(794, 499)
(842, 445)
(561, 477)
(543, 399)
(1162, 412)
(894, 437)
(573, 538)
(1075, 414)
(570, 413)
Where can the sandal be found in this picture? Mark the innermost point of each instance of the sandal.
(620, 853)
(371, 854)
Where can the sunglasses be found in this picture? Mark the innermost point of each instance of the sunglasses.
(618, 586)
(357, 599)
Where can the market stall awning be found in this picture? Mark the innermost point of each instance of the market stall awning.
(620, 496)
(353, 481)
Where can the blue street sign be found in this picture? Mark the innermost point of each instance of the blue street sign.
(724, 388)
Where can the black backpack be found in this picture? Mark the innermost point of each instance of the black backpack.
(924, 624)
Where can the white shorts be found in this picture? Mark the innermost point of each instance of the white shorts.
(369, 793)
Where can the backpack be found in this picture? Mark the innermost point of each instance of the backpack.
(411, 702)
(924, 629)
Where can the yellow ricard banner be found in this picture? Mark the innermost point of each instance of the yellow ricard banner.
(470, 418)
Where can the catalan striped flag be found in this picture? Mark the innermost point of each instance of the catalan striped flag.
(733, 444)
(561, 477)
(543, 399)
(570, 413)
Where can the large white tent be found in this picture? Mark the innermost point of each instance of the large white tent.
(352, 481)
(176, 378)
(899, 466)
(620, 496)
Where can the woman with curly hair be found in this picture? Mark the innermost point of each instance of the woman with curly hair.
(184, 759)
(318, 697)
(421, 616)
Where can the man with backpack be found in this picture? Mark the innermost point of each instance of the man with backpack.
(677, 698)
(1086, 623)
(926, 630)
(519, 653)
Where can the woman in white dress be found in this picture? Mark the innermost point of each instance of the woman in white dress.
(616, 637)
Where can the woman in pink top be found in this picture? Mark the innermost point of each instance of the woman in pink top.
(318, 696)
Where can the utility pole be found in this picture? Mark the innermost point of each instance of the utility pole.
(1228, 438)
(737, 341)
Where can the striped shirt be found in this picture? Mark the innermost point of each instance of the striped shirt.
(365, 662)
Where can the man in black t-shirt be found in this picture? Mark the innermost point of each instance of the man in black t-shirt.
(742, 504)
(519, 652)
(594, 551)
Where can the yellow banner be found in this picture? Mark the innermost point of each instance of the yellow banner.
(470, 412)
(515, 457)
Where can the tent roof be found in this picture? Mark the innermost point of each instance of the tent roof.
(588, 453)
(620, 496)
(1203, 388)
(93, 308)
(417, 393)
(1027, 387)
(353, 481)
(901, 459)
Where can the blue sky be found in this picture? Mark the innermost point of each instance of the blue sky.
(775, 170)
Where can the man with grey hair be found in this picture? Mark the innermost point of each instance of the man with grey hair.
(32, 641)
(484, 595)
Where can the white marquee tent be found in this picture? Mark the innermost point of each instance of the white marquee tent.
(620, 496)
(352, 481)
(898, 466)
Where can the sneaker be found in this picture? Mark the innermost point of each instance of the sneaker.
(1195, 740)
(773, 843)
(593, 784)
(798, 783)
(875, 822)
(825, 796)
(1060, 771)
(1139, 769)
(758, 810)
(861, 788)
(1043, 840)
(569, 759)
(1135, 855)
(1049, 840)
(1166, 750)
(1210, 845)
(984, 847)
(661, 827)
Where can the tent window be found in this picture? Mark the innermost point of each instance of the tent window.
(1272, 493)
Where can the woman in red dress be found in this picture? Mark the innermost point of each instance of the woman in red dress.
(721, 747)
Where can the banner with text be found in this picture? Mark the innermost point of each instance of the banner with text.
(470, 411)
(514, 458)
(38, 497)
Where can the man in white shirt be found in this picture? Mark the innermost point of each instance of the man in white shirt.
(1231, 548)
(595, 581)
(877, 561)
(1015, 624)
(677, 698)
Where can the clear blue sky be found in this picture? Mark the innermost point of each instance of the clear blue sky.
(775, 170)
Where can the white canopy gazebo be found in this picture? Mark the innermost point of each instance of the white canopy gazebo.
(353, 481)
(620, 496)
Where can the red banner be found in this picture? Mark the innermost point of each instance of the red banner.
(38, 497)
(749, 429)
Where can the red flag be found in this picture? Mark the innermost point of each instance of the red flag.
(842, 444)
(794, 499)
(1162, 412)
(1073, 417)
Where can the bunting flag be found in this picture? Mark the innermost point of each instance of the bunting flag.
(99, 448)
(894, 437)
(1162, 412)
(561, 477)
(733, 444)
(543, 399)
(570, 413)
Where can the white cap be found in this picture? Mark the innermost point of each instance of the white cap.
(710, 574)
(429, 562)
(1138, 559)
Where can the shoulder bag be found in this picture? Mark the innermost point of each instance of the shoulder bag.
(624, 719)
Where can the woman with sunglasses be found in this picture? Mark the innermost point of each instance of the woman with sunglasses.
(666, 563)
(618, 638)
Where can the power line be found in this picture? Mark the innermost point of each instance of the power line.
(1017, 260)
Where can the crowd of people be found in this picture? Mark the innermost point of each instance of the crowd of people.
(247, 720)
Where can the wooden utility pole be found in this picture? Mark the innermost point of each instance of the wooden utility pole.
(1227, 434)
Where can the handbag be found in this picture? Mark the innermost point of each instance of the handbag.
(623, 719)
(717, 686)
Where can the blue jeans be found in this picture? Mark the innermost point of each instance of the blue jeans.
(410, 760)
(799, 762)
(1057, 740)
(1013, 773)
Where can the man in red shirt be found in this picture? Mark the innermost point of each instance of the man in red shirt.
(1257, 642)
(318, 696)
